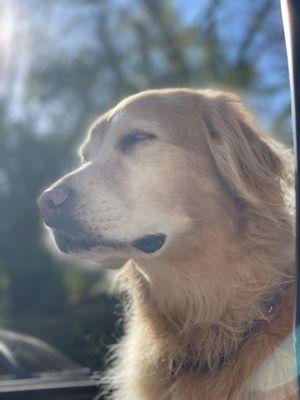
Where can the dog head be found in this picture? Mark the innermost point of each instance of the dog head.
(163, 174)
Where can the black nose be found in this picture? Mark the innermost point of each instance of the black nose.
(52, 202)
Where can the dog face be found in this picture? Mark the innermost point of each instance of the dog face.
(160, 177)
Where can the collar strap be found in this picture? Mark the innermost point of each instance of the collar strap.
(270, 305)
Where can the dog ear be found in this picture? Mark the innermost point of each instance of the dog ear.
(247, 162)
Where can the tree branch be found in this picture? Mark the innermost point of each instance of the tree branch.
(249, 37)
(170, 39)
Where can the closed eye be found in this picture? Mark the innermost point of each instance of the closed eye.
(131, 140)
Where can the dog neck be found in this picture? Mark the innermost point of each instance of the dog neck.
(194, 330)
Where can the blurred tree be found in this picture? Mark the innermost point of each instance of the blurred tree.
(68, 62)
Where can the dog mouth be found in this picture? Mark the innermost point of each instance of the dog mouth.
(74, 243)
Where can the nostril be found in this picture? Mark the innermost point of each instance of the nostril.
(51, 205)
(53, 199)
(57, 196)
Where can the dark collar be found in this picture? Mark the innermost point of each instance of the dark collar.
(256, 325)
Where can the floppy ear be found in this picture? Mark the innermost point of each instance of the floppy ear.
(246, 161)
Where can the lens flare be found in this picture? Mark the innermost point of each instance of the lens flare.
(7, 27)
(7, 23)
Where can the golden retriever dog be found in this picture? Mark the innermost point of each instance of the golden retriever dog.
(179, 188)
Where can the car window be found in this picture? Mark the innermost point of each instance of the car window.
(63, 64)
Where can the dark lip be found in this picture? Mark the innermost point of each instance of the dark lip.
(150, 244)
(68, 243)
(74, 243)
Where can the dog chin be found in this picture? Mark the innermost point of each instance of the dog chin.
(105, 260)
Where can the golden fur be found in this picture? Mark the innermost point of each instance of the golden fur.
(214, 306)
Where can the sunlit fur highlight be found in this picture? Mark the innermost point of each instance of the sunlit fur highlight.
(180, 326)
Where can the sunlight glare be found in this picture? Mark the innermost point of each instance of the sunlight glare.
(7, 22)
